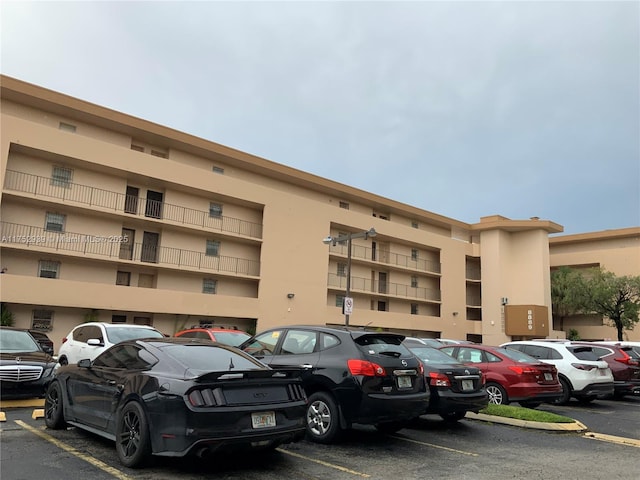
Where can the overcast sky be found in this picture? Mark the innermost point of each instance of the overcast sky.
(465, 109)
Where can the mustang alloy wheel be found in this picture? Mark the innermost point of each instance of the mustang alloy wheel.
(132, 436)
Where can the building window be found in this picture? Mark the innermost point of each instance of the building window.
(213, 248)
(344, 205)
(118, 319)
(61, 176)
(123, 278)
(142, 321)
(42, 320)
(414, 254)
(414, 224)
(339, 300)
(67, 127)
(209, 285)
(342, 270)
(414, 281)
(48, 269)
(218, 170)
(158, 153)
(215, 210)
(414, 309)
(54, 222)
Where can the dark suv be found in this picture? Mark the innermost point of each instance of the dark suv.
(350, 376)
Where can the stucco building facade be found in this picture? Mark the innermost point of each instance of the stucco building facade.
(112, 218)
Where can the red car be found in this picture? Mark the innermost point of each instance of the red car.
(511, 376)
(228, 336)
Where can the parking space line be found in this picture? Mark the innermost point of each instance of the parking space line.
(326, 464)
(441, 447)
(87, 458)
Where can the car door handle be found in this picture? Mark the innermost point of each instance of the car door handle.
(306, 366)
(111, 382)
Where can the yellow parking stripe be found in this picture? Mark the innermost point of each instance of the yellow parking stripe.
(462, 452)
(326, 464)
(87, 458)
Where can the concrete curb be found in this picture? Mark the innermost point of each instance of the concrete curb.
(576, 426)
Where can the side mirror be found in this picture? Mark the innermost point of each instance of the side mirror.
(84, 363)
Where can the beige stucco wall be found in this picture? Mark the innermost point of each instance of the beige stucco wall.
(293, 211)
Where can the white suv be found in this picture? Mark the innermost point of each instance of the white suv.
(88, 340)
(582, 374)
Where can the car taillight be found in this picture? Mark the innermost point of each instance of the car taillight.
(64, 339)
(483, 379)
(524, 370)
(627, 360)
(439, 379)
(364, 368)
(582, 366)
(420, 368)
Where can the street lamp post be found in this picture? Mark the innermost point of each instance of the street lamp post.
(347, 304)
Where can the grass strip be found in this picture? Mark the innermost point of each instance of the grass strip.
(528, 414)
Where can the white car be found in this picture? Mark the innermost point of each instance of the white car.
(580, 372)
(88, 340)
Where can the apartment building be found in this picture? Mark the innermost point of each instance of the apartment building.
(113, 218)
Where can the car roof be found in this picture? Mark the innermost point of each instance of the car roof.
(110, 325)
(355, 332)
(210, 329)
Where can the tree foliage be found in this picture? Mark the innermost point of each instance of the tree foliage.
(596, 291)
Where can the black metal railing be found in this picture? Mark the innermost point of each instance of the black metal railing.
(389, 258)
(121, 247)
(130, 204)
(359, 284)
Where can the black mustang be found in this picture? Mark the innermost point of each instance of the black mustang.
(175, 397)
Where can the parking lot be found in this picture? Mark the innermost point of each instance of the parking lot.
(432, 449)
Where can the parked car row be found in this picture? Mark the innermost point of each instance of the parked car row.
(122, 381)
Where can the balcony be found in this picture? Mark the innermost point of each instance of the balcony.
(387, 258)
(118, 202)
(364, 285)
(117, 248)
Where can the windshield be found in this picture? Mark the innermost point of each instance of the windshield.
(233, 339)
(382, 345)
(212, 358)
(517, 355)
(432, 355)
(17, 341)
(120, 334)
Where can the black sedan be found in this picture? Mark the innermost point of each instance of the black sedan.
(176, 397)
(455, 388)
(25, 369)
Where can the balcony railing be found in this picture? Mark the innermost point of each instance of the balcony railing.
(119, 202)
(385, 288)
(381, 256)
(119, 247)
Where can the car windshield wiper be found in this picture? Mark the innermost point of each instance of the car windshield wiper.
(390, 353)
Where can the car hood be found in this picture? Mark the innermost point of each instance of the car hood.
(25, 358)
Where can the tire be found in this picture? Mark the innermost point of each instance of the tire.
(390, 427)
(497, 394)
(53, 407)
(323, 418)
(133, 442)
(453, 416)
(63, 361)
(566, 392)
(530, 404)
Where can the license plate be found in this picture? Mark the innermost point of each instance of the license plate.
(467, 385)
(263, 419)
(548, 377)
(404, 381)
